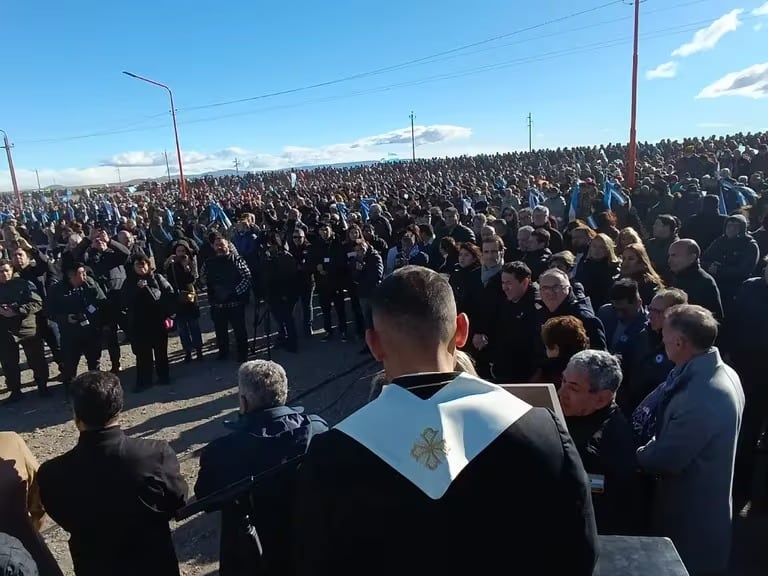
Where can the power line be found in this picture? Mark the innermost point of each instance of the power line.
(452, 53)
(591, 26)
(106, 132)
(408, 62)
(374, 90)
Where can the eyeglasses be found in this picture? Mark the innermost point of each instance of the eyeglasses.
(551, 289)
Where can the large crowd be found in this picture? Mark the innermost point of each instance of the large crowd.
(645, 307)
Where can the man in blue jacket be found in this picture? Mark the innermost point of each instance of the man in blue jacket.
(267, 434)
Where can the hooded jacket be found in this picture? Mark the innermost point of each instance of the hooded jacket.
(736, 258)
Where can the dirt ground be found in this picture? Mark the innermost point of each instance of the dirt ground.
(331, 379)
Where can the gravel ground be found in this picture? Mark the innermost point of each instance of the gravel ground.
(189, 414)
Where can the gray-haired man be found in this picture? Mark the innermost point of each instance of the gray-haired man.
(266, 435)
(603, 438)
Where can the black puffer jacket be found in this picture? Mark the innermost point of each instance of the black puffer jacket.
(64, 299)
(736, 259)
(147, 307)
(581, 309)
(107, 267)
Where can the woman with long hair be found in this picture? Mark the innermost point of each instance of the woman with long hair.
(627, 236)
(465, 279)
(599, 270)
(181, 272)
(149, 301)
(450, 252)
(636, 264)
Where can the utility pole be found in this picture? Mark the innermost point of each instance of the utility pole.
(413, 138)
(167, 166)
(7, 146)
(237, 167)
(530, 132)
(632, 156)
(37, 175)
(119, 177)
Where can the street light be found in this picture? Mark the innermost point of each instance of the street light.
(175, 129)
(7, 146)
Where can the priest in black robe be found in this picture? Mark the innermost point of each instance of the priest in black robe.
(443, 473)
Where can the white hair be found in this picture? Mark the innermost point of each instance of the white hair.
(564, 279)
(603, 368)
(541, 209)
(263, 384)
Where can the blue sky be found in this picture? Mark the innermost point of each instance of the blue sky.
(62, 78)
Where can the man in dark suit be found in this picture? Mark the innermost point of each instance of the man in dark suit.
(443, 473)
(113, 494)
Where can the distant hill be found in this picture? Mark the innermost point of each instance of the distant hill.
(217, 174)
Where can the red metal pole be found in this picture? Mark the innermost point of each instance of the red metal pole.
(632, 157)
(7, 146)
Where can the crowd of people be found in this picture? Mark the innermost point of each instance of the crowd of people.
(646, 308)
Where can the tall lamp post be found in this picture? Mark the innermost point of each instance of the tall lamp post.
(632, 156)
(183, 182)
(7, 146)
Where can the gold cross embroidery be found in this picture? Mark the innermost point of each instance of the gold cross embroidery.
(429, 449)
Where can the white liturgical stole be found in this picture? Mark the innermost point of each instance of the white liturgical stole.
(430, 441)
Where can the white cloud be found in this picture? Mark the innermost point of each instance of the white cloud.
(757, 27)
(666, 70)
(707, 38)
(751, 82)
(761, 11)
(151, 164)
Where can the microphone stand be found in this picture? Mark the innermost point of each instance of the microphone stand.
(267, 330)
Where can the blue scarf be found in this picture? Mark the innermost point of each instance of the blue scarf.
(646, 417)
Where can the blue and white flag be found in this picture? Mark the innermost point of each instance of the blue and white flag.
(728, 186)
(573, 210)
(365, 207)
(535, 197)
(216, 214)
(108, 209)
(611, 194)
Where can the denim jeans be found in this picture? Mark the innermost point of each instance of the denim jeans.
(189, 332)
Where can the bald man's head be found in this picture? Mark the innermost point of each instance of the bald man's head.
(683, 254)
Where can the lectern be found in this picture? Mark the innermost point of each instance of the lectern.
(638, 556)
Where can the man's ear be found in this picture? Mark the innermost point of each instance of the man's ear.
(374, 344)
(462, 330)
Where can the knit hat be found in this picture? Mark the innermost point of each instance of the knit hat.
(14, 558)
